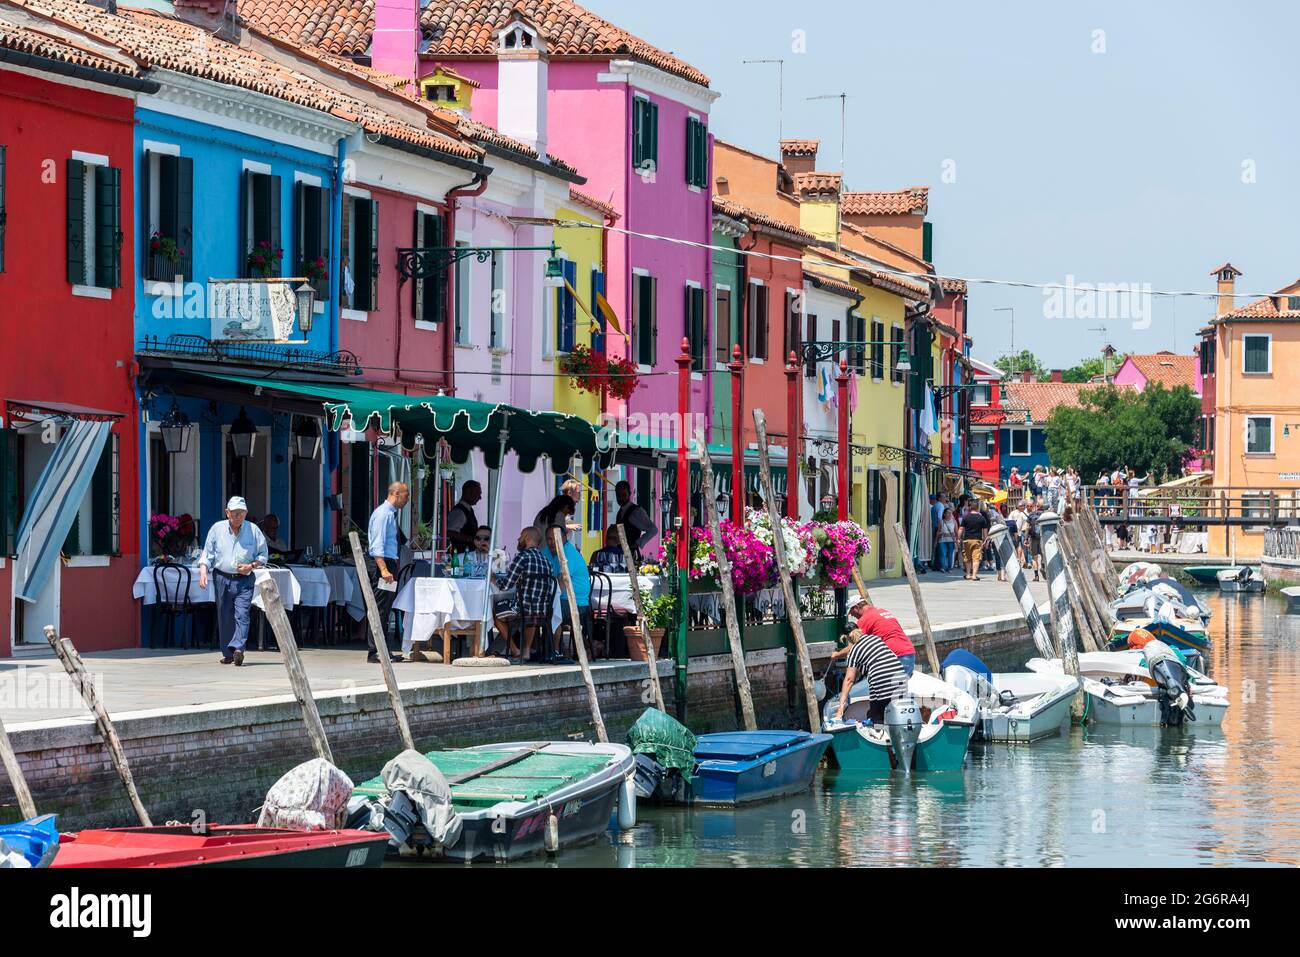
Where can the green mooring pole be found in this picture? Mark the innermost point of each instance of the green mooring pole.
(679, 645)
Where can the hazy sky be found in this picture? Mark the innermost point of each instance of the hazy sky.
(1122, 166)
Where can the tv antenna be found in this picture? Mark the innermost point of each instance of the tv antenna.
(844, 107)
(780, 94)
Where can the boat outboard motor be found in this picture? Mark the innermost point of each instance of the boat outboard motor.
(1173, 686)
(903, 723)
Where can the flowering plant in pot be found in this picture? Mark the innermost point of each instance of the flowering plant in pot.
(659, 618)
(317, 270)
(171, 535)
(597, 373)
(840, 546)
(800, 548)
(264, 260)
(165, 248)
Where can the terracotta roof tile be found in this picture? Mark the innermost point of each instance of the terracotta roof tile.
(831, 285)
(1168, 369)
(903, 286)
(800, 147)
(1041, 398)
(859, 239)
(461, 28)
(1266, 308)
(899, 202)
(38, 40)
(954, 285)
(1218, 269)
(762, 221)
(592, 202)
(818, 183)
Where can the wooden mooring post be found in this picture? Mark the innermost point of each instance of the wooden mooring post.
(909, 569)
(738, 666)
(642, 623)
(15, 772)
(793, 617)
(279, 621)
(579, 647)
(76, 669)
(381, 642)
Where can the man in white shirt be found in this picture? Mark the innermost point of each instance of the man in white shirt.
(233, 549)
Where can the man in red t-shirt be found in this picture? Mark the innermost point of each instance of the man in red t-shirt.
(882, 624)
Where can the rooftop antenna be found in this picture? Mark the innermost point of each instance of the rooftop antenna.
(1105, 353)
(1012, 310)
(780, 95)
(844, 107)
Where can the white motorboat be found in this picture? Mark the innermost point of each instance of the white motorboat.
(1292, 596)
(1016, 706)
(1240, 580)
(1122, 690)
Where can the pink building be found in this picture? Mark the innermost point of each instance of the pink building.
(632, 118)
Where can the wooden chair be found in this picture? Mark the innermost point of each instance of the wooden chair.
(537, 619)
(601, 615)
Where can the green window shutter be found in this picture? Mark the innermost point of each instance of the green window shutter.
(108, 227)
(245, 245)
(273, 217)
(927, 241)
(8, 490)
(435, 291)
(374, 254)
(638, 132)
(345, 225)
(691, 162)
(185, 216)
(361, 215)
(418, 285)
(301, 250)
(145, 236)
(76, 179)
(1256, 354)
(654, 136)
(3, 213)
(103, 499)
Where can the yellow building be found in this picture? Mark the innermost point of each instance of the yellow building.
(1256, 437)
(582, 250)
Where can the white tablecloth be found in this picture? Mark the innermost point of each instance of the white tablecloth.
(290, 592)
(345, 589)
(314, 585)
(430, 604)
(621, 598)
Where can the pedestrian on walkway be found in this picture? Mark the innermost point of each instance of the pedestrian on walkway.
(974, 530)
(384, 541)
(233, 550)
(947, 541)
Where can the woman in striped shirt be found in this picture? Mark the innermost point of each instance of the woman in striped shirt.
(873, 670)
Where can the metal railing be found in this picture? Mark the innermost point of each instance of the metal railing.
(278, 355)
(1203, 505)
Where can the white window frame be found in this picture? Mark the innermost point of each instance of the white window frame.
(745, 325)
(988, 394)
(88, 289)
(638, 271)
(1257, 335)
(720, 366)
(355, 315)
(468, 341)
(1029, 442)
(1272, 436)
(992, 438)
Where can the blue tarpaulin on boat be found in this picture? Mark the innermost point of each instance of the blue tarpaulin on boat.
(962, 657)
(744, 745)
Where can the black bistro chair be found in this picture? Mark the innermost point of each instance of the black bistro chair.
(171, 582)
(601, 616)
(539, 618)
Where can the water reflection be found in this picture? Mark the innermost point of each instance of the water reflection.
(1128, 797)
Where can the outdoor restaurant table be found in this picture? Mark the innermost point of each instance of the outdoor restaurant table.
(290, 593)
(429, 605)
(345, 589)
(314, 585)
(621, 596)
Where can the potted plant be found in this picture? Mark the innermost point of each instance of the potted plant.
(317, 272)
(263, 260)
(164, 255)
(171, 535)
(658, 616)
(597, 373)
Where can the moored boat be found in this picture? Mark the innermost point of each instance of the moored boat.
(1292, 596)
(1207, 574)
(1123, 690)
(509, 800)
(1181, 633)
(236, 845)
(1016, 706)
(930, 729)
(1240, 580)
(740, 767)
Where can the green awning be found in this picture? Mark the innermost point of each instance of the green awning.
(464, 424)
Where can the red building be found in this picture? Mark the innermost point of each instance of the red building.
(949, 316)
(986, 418)
(66, 326)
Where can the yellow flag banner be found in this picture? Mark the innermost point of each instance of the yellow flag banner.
(607, 311)
(578, 299)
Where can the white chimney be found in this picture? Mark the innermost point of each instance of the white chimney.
(522, 66)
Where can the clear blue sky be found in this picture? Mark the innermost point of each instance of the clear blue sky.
(1121, 166)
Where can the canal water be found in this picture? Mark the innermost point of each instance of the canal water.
(1122, 798)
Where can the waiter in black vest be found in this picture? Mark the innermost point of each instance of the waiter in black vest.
(633, 518)
(462, 523)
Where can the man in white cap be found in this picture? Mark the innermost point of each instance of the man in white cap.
(232, 550)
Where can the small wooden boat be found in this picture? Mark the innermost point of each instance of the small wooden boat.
(1292, 596)
(1122, 690)
(1241, 580)
(519, 798)
(740, 767)
(1207, 574)
(236, 845)
(948, 715)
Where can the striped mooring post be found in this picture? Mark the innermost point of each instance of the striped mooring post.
(1058, 585)
(1001, 537)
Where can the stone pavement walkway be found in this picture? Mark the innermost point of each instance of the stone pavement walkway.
(34, 687)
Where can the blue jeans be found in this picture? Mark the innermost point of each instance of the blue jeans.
(234, 594)
(946, 552)
(908, 662)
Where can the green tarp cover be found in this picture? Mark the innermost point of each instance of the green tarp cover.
(465, 424)
(527, 780)
(664, 738)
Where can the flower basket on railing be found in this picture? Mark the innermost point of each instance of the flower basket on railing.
(840, 546)
(264, 260)
(599, 374)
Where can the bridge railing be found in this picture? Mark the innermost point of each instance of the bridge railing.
(1203, 505)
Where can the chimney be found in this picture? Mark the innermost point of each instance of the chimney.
(1227, 281)
(522, 79)
(799, 156)
(215, 16)
(1057, 375)
(108, 6)
(1027, 375)
(396, 41)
